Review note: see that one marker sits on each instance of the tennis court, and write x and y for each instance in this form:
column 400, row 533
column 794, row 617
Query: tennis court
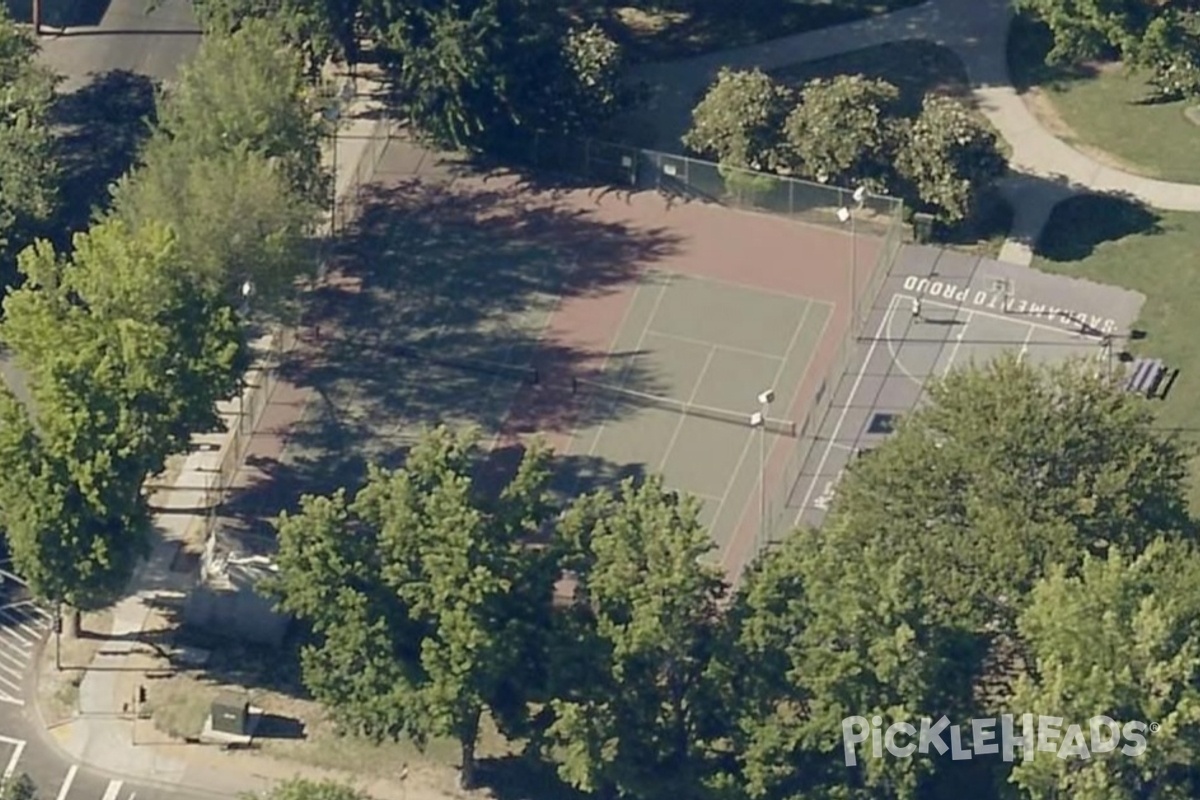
column 676, row 393
column 941, row 310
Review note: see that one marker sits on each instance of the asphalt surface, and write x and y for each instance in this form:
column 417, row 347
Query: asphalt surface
column 89, row 40
column 25, row 746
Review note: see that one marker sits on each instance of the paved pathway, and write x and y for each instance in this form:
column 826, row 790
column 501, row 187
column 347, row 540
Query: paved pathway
column 1046, row 169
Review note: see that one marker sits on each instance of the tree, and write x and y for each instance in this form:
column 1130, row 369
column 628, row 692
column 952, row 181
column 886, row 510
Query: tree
column 639, row 718
column 949, row 156
column 234, row 215
column 18, row 787
column 247, row 91
column 318, row 30
column 740, row 120
column 28, row 174
column 125, row 361
column 820, row 636
column 1119, row 639
column 425, row 597
column 304, row 789
column 485, row 73
column 1009, row 469
column 1157, row 35
column 842, row 131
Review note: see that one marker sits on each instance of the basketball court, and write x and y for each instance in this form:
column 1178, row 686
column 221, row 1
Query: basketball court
column 940, row 310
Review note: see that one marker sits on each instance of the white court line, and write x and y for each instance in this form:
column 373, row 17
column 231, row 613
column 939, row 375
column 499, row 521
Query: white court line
column 749, row 288
column 862, row 372
column 958, row 343
column 1025, row 344
column 897, row 362
column 712, row 351
column 1005, row 317
column 787, row 355
column 18, row 749
column 114, row 788
column 662, row 292
column 67, row 781
column 701, row 342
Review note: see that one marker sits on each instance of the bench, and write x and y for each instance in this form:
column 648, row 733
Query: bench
column 1145, row 376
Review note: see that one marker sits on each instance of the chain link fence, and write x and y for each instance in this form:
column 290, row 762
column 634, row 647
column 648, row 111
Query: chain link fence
column 261, row 380
column 878, row 217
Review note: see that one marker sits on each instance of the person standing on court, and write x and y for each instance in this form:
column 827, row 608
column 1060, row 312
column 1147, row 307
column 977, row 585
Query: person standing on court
column 916, row 309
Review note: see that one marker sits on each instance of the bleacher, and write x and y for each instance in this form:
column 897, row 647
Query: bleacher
column 1145, row 376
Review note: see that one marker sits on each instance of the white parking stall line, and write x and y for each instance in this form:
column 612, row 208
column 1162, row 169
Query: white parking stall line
column 19, row 621
column 67, row 781
column 7, row 656
column 114, row 788
column 18, row 746
column 4, row 668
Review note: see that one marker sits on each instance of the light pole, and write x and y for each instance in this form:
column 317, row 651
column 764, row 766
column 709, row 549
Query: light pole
column 247, row 293
column 58, row 637
column 759, row 420
column 844, row 215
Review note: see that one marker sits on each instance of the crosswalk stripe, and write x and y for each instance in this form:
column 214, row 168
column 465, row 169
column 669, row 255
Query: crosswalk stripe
column 7, row 698
column 16, row 673
column 67, row 781
column 114, row 788
column 18, row 748
column 6, row 682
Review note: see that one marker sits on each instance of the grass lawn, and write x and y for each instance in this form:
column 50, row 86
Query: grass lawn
column 710, row 25
column 1112, row 241
column 1103, row 110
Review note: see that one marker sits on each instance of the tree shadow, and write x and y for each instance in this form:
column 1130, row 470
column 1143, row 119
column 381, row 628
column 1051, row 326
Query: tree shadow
column 518, row 777
column 103, row 126
column 1029, row 43
column 1080, row 224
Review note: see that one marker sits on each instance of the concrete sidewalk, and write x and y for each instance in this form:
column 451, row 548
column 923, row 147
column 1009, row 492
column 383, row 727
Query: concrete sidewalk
column 102, row 735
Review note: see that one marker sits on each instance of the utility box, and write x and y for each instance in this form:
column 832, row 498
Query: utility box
column 230, row 713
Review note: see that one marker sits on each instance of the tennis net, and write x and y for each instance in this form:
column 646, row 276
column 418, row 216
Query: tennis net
column 482, row 366
column 619, row 394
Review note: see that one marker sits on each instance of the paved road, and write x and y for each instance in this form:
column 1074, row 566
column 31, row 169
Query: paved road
column 128, row 38
column 24, row 746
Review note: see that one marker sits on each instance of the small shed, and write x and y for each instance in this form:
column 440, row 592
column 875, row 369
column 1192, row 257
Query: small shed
column 230, row 713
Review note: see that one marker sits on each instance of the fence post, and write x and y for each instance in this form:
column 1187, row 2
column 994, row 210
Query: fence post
column 791, row 197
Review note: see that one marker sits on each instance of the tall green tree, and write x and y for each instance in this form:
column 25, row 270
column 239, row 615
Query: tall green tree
column 1009, row 469
column 125, row 359
column 247, row 90
column 1160, row 36
column 816, row 642
column 424, row 594
column 1120, row 639
column 949, row 157
column 842, row 131
column 28, row 174
column 304, row 789
column 640, row 719
column 739, row 123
